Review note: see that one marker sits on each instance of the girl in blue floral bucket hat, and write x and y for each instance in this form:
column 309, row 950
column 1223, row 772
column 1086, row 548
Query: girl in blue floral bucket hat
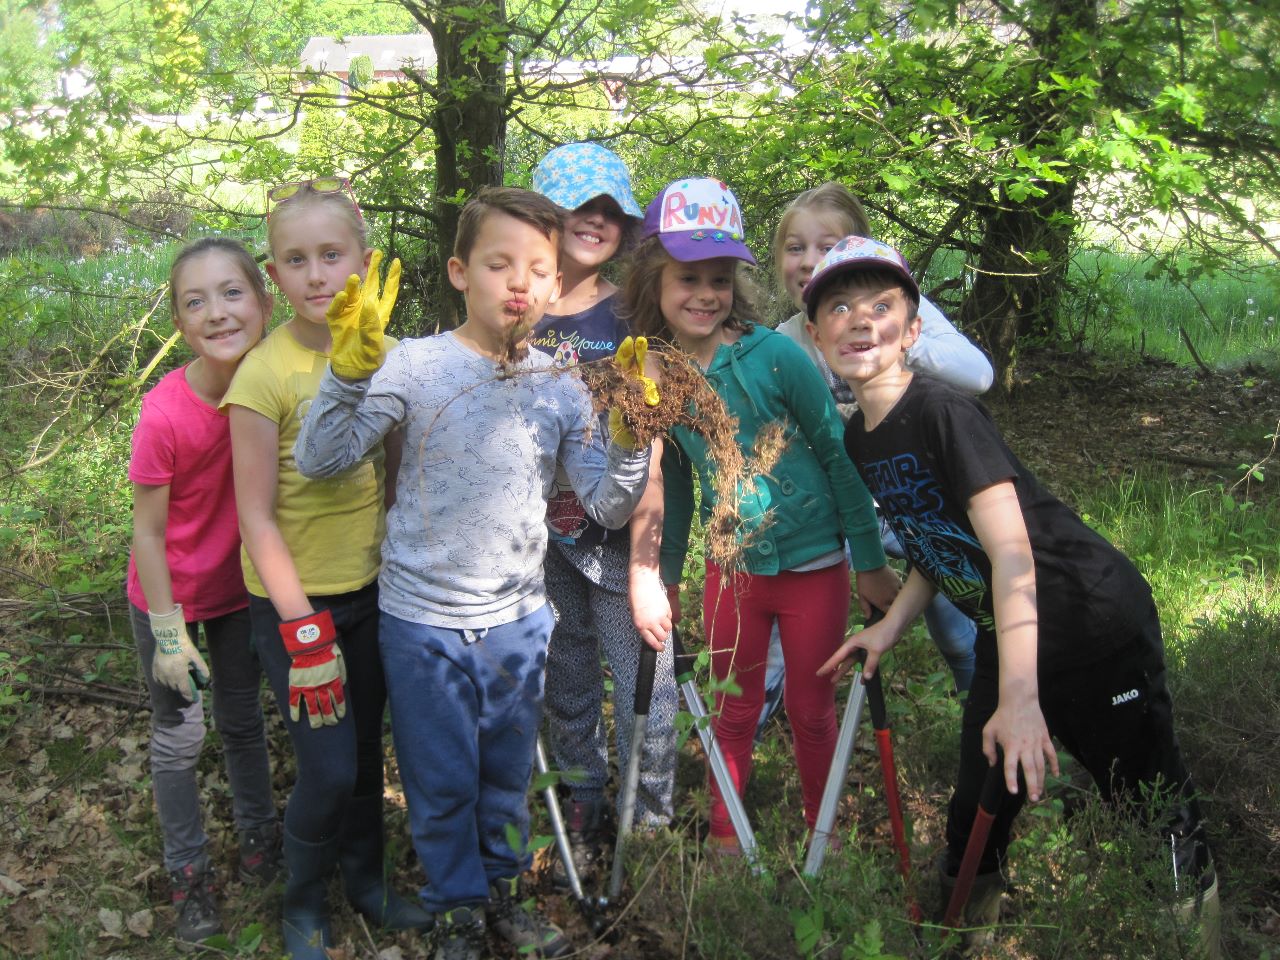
column 587, row 566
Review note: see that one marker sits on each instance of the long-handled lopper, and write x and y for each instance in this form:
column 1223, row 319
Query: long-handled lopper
column 719, row 768
column 988, row 806
column 884, row 744
column 590, row 908
column 631, row 780
column 834, row 788
column 840, row 760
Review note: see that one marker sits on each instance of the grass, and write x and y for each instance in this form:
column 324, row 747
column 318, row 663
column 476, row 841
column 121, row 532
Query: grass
column 1116, row 303
column 1088, row 882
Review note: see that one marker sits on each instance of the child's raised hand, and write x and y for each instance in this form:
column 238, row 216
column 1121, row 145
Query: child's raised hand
column 630, row 359
column 1018, row 728
column 357, row 317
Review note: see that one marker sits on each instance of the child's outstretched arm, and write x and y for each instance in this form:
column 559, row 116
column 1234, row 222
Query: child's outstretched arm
column 815, row 413
column 1018, row 725
column 650, row 608
column 882, row 636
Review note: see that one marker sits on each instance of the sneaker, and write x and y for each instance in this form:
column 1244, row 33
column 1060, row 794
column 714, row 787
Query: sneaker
column 584, row 822
column 520, row 923
column 260, row 858
column 194, row 904
column 459, row 934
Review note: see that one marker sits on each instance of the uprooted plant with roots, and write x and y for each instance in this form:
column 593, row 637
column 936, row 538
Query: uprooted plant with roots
column 687, row 399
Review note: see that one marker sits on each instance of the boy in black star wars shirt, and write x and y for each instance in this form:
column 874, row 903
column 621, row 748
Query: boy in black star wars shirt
column 1069, row 642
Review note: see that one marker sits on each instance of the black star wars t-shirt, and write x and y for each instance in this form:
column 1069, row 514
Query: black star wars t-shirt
column 937, row 448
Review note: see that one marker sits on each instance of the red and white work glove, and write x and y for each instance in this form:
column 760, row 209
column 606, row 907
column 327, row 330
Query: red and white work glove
column 318, row 672
column 177, row 663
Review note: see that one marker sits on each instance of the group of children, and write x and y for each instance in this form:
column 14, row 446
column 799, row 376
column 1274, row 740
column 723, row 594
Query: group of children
column 439, row 524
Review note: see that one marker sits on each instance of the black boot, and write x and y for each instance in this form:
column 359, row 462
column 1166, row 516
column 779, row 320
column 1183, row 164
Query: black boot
column 308, row 867
column 363, row 874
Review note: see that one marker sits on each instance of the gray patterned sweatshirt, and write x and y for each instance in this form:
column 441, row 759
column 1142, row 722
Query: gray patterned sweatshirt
column 467, row 535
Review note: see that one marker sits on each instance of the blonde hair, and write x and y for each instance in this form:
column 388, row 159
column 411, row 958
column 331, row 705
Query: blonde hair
column 233, row 249
column 338, row 202
column 640, row 302
column 829, row 198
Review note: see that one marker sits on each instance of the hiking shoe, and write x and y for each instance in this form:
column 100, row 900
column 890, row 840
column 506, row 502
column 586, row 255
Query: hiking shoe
column 194, row 903
column 260, row 859
column 459, row 934
column 584, row 822
column 520, row 923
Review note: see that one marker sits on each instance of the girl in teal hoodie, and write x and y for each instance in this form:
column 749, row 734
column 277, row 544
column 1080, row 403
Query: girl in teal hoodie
column 684, row 286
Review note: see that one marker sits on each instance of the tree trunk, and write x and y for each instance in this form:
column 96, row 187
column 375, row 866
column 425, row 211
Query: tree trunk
column 1023, row 254
column 1021, row 268
column 469, row 121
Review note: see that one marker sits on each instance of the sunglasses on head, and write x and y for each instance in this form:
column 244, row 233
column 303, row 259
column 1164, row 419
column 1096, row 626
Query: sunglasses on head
column 331, row 184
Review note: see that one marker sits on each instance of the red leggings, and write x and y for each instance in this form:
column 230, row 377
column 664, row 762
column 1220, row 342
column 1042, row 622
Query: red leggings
column 812, row 610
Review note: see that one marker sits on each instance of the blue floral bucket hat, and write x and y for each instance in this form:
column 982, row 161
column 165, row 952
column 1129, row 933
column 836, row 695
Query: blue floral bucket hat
column 577, row 173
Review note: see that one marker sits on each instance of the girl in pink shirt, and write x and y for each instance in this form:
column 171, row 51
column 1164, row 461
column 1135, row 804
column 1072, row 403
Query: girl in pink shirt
column 184, row 573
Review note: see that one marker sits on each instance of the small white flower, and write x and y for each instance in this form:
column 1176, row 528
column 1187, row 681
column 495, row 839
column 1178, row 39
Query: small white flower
column 1249, row 301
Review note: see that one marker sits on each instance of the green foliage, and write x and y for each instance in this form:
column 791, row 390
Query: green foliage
column 360, row 72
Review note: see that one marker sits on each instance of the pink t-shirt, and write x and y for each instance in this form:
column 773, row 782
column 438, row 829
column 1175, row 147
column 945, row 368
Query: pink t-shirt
column 183, row 442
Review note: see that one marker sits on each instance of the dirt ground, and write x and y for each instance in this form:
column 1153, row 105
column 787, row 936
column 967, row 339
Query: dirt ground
column 78, row 850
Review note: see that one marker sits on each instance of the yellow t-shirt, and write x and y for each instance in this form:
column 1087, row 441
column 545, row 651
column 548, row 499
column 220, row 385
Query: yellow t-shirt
column 333, row 528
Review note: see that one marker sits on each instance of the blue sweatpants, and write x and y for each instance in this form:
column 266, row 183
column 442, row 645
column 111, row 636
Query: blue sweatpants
column 465, row 709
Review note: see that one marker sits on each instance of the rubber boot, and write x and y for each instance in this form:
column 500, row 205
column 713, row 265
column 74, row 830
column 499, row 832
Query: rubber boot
column 1206, row 912
column 982, row 910
column 363, row 872
column 308, row 867
column 1196, row 880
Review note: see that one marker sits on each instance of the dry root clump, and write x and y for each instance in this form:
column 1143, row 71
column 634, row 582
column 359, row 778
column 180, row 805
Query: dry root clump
column 687, row 399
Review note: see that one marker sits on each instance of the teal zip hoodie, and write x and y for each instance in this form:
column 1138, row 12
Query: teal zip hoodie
column 810, row 502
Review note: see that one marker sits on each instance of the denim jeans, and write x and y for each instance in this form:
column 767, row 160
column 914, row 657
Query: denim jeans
column 177, row 735
column 465, row 709
column 340, row 761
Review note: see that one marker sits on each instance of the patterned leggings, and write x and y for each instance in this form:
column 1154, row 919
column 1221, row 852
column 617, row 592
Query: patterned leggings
column 589, row 618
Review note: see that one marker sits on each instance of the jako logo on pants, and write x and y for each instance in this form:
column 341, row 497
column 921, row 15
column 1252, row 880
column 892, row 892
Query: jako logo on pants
column 1125, row 697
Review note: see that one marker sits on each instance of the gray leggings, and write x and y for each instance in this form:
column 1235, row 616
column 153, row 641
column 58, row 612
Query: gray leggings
column 177, row 734
column 589, row 618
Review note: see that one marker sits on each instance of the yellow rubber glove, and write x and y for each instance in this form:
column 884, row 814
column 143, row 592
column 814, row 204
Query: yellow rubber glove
column 357, row 318
column 630, row 360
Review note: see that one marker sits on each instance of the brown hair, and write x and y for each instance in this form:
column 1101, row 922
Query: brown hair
column 519, row 204
column 830, row 197
column 233, row 249
column 642, row 292
column 340, row 203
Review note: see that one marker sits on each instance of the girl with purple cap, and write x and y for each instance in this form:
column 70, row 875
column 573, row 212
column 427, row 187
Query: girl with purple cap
column 587, row 565
column 687, row 284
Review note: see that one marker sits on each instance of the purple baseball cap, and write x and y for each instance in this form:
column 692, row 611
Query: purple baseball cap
column 697, row 218
column 856, row 253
